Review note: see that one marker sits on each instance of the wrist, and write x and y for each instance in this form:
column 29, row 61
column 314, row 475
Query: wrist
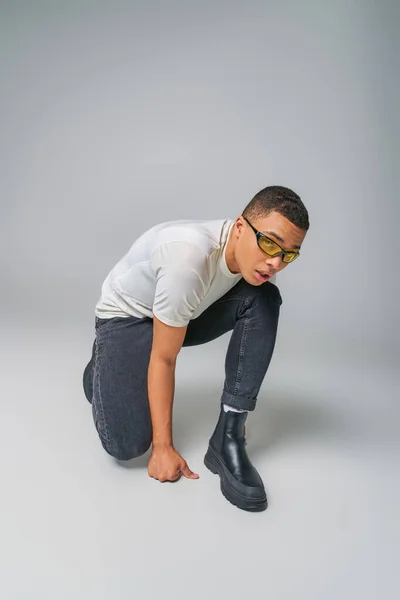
column 162, row 445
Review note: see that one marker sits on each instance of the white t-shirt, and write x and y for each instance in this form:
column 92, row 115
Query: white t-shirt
column 175, row 270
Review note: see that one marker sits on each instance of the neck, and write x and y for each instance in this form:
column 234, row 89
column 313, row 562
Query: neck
column 230, row 253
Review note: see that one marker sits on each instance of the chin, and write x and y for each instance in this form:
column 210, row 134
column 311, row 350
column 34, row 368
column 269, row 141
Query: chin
column 252, row 280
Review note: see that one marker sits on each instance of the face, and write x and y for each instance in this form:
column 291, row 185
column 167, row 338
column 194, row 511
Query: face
column 243, row 255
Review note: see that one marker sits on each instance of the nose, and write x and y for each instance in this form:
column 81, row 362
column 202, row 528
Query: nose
column 274, row 263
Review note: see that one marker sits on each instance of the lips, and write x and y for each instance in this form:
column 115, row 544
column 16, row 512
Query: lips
column 263, row 275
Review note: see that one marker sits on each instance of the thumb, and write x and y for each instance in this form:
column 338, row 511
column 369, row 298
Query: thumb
column 188, row 473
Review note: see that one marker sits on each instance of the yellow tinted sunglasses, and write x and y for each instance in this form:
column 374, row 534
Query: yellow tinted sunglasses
column 272, row 248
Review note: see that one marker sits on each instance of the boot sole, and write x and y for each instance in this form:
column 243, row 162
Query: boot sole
column 217, row 467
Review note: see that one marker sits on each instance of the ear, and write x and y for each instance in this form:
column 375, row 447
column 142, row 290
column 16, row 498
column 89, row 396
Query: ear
column 239, row 226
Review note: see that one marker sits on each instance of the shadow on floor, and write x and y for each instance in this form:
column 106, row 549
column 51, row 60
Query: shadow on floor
column 279, row 418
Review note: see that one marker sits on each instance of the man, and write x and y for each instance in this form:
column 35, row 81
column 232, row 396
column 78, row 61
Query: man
column 184, row 283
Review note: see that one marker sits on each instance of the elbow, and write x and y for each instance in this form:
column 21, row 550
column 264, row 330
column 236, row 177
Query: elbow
column 166, row 361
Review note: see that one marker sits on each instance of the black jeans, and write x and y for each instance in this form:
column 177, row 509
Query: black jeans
column 122, row 352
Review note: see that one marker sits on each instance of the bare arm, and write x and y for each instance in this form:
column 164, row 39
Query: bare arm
column 165, row 464
column 167, row 343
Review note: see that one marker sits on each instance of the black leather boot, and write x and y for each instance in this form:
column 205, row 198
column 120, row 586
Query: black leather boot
column 226, row 456
column 88, row 376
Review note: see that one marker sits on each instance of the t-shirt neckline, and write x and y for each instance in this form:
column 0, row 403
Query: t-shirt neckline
column 223, row 263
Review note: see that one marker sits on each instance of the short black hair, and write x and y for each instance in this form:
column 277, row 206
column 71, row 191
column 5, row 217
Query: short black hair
column 280, row 199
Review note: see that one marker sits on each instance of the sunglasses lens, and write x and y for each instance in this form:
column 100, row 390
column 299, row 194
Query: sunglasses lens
column 290, row 257
column 272, row 249
column 268, row 246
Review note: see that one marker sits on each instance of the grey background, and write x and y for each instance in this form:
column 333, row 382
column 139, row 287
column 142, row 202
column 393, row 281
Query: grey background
column 118, row 115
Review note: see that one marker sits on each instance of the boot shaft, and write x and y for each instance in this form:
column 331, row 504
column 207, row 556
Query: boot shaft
column 230, row 425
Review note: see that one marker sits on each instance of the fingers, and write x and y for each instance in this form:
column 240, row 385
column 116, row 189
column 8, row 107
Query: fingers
column 171, row 478
column 188, row 473
column 162, row 473
column 164, row 477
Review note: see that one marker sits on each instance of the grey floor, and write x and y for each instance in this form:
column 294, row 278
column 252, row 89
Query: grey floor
column 76, row 524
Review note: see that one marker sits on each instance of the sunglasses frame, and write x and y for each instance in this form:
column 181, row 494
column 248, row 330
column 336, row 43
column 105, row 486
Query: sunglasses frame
column 282, row 253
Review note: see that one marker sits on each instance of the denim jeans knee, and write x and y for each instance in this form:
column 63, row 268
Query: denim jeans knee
column 125, row 449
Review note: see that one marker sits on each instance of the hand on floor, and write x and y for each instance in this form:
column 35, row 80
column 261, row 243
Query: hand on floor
column 166, row 464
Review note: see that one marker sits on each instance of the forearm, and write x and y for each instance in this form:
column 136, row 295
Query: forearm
column 161, row 389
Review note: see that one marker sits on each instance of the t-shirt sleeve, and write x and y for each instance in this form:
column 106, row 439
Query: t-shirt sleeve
column 181, row 273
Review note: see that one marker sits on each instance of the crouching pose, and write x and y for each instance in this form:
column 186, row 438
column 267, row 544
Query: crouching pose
column 184, row 283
